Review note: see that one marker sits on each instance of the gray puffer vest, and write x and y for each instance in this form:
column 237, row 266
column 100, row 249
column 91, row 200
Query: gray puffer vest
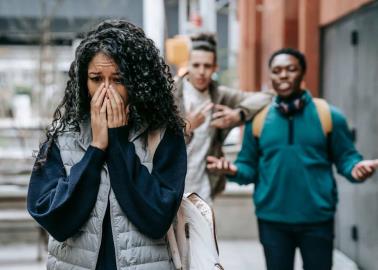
column 134, row 251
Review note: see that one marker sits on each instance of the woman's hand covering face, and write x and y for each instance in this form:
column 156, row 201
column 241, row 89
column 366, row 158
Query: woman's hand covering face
column 109, row 98
column 108, row 110
column 99, row 118
column 116, row 110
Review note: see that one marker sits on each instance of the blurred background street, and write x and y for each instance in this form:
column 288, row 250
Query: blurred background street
column 339, row 38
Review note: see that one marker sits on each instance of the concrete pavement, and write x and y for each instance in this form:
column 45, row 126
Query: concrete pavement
column 247, row 255
column 235, row 255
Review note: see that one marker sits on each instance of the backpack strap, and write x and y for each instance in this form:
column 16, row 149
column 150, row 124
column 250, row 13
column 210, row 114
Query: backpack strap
column 258, row 121
column 324, row 113
column 322, row 107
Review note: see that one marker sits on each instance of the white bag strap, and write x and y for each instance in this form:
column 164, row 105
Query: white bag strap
column 174, row 248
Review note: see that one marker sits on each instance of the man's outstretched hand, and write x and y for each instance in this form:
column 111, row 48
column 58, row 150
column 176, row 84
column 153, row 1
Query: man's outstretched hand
column 221, row 166
column 225, row 117
column 364, row 169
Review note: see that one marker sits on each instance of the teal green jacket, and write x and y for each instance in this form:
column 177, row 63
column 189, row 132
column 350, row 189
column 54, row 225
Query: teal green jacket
column 291, row 165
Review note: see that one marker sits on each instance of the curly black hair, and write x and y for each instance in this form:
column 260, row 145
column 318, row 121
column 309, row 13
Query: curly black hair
column 293, row 52
column 143, row 72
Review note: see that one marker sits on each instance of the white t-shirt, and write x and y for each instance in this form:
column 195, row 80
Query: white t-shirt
column 197, row 179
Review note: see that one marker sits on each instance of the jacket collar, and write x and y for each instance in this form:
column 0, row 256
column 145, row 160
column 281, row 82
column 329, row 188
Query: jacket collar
column 307, row 97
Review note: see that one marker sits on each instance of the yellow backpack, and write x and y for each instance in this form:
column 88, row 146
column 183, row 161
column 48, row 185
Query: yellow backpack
column 321, row 105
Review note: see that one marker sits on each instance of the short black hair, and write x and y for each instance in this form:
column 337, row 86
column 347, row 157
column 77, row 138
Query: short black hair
column 204, row 42
column 293, row 52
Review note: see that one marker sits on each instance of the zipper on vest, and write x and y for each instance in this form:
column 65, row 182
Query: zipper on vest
column 113, row 231
column 100, row 230
column 291, row 130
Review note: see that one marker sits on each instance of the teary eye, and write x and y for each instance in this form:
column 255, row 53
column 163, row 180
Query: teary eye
column 118, row 80
column 95, row 78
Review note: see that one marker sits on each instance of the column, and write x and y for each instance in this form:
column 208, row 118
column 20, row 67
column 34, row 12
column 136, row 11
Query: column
column 154, row 21
column 309, row 34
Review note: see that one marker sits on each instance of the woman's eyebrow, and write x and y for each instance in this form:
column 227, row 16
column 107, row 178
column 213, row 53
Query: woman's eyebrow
column 98, row 73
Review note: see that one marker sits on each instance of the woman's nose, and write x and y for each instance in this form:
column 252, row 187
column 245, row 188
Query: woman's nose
column 107, row 83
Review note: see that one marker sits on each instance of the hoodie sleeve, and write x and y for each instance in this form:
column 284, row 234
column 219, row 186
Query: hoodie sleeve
column 149, row 200
column 343, row 152
column 247, row 159
column 62, row 203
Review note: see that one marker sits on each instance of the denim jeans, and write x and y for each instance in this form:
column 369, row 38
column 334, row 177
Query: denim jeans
column 315, row 242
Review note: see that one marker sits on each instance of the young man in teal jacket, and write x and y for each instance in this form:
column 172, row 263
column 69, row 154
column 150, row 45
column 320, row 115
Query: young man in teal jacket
column 290, row 162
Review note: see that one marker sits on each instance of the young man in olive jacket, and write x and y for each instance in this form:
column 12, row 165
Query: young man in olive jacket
column 211, row 111
column 288, row 154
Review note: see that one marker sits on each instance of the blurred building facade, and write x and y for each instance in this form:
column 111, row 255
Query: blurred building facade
column 37, row 41
column 340, row 40
column 46, row 34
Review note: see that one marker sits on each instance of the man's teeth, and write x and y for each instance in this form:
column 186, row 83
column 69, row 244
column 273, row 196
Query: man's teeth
column 284, row 85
